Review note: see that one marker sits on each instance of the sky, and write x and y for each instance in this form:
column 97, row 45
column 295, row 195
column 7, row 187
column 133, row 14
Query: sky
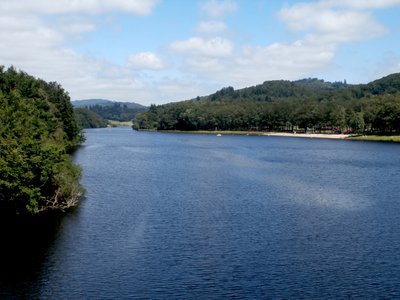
column 160, row 51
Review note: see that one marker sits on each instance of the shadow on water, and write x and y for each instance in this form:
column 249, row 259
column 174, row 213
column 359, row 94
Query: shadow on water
column 25, row 245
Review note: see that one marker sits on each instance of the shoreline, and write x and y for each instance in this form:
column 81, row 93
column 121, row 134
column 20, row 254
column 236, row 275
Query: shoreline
column 332, row 136
column 260, row 133
column 310, row 135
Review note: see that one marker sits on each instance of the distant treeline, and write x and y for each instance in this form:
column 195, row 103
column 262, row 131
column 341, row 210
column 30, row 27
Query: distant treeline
column 37, row 132
column 308, row 104
column 97, row 115
column 117, row 111
column 89, row 119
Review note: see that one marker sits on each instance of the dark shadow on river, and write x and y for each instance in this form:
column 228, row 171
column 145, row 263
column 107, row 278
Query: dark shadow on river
column 26, row 245
column 170, row 216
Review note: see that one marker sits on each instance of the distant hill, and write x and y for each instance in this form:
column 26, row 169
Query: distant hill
column 110, row 110
column 89, row 119
column 309, row 104
column 388, row 84
column 105, row 102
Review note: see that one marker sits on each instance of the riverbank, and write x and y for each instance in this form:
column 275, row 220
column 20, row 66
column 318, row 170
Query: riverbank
column 114, row 123
column 377, row 138
column 261, row 133
column 309, row 135
column 373, row 138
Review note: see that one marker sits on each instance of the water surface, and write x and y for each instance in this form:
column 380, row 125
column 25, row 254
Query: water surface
column 178, row 216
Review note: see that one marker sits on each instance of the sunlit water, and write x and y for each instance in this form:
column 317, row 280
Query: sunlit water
column 182, row 216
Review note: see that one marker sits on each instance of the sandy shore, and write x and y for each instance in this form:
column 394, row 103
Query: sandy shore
column 260, row 133
column 308, row 135
column 373, row 138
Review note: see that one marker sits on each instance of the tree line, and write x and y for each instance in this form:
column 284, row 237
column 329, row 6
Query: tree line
column 304, row 105
column 87, row 118
column 98, row 115
column 38, row 131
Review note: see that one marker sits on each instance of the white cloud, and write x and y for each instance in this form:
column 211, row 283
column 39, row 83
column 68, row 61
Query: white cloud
column 77, row 28
column 323, row 26
column 363, row 4
column 219, row 8
column 205, row 65
column 140, row 7
column 145, row 60
column 182, row 89
column 281, row 61
column 31, row 34
column 36, row 45
column 214, row 47
column 211, row 27
column 255, row 64
column 330, row 24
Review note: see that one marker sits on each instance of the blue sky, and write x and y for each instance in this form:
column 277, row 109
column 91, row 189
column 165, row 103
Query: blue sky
column 158, row 51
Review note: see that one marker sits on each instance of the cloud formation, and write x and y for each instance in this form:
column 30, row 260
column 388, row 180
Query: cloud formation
column 36, row 37
column 362, row 4
column 214, row 47
column 145, row 61
column 331, row 24
column 140, row 7
column 211, row 27
column 323, row 27
column 219, row 9
column 36, row 46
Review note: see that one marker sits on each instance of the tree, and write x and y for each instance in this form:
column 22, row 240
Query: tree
column 356, row 121
column 284, row 105
column 37, row 130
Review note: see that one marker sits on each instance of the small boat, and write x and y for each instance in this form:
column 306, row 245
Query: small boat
column 219, row 134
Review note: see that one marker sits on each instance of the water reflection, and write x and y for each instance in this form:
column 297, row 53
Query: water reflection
column 191, row 216
column 26, row 245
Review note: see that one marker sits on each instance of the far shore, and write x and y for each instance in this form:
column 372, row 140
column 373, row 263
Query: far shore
column 113, row 123
column 261, row 133
column 372, row 138
column 310, row 135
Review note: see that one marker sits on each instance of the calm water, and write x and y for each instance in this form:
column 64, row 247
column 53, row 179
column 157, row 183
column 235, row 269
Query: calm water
column 176, row 216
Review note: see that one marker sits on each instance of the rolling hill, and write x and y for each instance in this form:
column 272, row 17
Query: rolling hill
column 282, row 105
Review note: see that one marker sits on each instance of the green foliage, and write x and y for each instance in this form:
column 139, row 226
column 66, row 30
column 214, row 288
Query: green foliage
column 37, row 130
column 117, row 111
column 309, row 104
column 89, row 119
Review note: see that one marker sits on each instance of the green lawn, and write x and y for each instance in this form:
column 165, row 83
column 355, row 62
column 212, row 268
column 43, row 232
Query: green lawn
column 377, row 138
column 113, row 123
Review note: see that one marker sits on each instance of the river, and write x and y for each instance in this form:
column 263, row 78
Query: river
column 185, row 216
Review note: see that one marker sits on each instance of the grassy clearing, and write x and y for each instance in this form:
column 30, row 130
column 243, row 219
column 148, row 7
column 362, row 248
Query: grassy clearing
column 113, row 123
column 377, row 138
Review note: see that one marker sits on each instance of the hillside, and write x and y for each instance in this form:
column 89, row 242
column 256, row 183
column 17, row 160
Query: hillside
column 89, row 119
column 303, row 105
column 91, row 102
column 105, row 102
column 111, row 110
column 38, row 131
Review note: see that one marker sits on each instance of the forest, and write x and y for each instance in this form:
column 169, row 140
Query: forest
column 38, row 132
column 118, row 111
column 87, row 118
column 96, row 113
column 307, row 105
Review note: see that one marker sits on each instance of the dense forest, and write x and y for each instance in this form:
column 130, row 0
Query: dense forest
column 38, row 131
column 111, row 110
column 89, row 119
column 304, row 105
